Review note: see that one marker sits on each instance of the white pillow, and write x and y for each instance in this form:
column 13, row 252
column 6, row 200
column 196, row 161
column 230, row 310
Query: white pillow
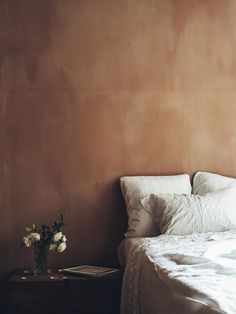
column 140, row 222
column 204, row 182
column 187, row 214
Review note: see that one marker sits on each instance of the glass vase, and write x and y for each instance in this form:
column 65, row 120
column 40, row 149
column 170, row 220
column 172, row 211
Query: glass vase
column 41, row 258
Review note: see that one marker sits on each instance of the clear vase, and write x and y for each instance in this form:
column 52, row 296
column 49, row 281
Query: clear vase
column 41, row 258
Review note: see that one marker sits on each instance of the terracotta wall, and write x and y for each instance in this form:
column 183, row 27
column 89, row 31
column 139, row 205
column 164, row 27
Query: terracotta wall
column 93, row 90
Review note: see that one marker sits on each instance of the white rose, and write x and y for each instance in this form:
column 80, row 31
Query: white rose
column 61, row 247
column 57, row 236
column 52, row 247
column 27, row 241
column 34, row 236
column 63, row 239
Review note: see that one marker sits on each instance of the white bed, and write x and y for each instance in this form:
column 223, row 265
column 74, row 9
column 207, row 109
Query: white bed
column 191, row 267
column 172, row 274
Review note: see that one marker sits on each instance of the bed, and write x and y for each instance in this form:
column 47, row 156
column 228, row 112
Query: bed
column 182, row 273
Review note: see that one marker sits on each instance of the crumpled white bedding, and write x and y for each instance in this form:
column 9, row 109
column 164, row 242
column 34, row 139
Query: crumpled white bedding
column 124, row 248
column 181, row 275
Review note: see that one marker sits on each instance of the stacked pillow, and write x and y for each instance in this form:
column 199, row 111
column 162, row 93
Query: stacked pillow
column 141, row 223
column 205, row 182
column 166, row 205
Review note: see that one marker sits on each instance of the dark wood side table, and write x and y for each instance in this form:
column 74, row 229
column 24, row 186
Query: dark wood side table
column 61, row 293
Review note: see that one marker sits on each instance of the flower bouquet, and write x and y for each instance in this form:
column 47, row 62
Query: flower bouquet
column 43, row 240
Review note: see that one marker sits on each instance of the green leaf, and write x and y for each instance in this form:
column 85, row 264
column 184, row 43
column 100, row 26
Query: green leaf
column 44, row 227
column 28, row 229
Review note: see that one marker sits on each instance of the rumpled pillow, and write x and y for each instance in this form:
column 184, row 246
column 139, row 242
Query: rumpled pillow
column 204, row 182
column 140, row 223
column 187, row 214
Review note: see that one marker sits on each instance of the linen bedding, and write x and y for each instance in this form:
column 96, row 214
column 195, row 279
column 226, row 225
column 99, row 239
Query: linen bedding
column 173, row 274
column 124, row 248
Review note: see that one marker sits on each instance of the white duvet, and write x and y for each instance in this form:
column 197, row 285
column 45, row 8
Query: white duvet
column 181, row 275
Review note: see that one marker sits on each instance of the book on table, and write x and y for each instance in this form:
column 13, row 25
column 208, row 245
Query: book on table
column 90, row 271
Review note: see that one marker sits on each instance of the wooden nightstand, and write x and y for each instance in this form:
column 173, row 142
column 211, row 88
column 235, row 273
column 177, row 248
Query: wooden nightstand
column 59, row 294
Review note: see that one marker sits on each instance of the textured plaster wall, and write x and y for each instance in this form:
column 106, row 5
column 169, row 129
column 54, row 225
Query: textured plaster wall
column 93, row 90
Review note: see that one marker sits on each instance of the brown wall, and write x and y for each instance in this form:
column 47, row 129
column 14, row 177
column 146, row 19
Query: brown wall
column 93, row 90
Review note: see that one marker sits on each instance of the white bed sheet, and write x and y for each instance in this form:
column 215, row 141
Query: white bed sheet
column 181, row 275
column 124, row 248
